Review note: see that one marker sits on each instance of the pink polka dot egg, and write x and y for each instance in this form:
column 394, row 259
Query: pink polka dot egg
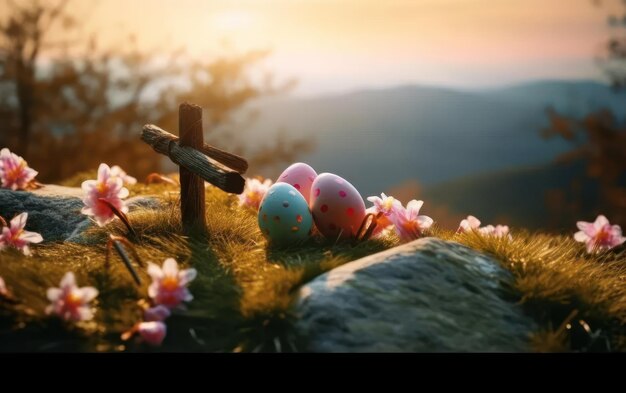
column 284, row 217
column 301, row 177
column 337, row 207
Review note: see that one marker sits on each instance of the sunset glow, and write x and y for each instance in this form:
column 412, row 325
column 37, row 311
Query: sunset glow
column 339, row 45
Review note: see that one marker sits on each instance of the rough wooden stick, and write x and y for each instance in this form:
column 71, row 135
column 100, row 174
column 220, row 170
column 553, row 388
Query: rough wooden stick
column 233, row 161
column 191, row 186
column 229, row 160
column 162, row 142
column 129, row 266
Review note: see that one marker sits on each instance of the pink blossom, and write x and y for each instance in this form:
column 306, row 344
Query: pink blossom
column 408, row 223
column 599, row 235
column 157, row 313
column 472, row 223
column 14, row 171
column 15, row 236
column 388, row 206
column 71, row 302
column 117, row 171
column 3, row 288
column 169, row 285
column 469, row 224
column 254, row 192
column 497, row 231
column 107, row 187
column 152, row 332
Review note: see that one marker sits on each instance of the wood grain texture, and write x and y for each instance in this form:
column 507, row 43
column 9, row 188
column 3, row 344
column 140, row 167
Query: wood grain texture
column 192, row 196
column 229, row 160
column 165, row 143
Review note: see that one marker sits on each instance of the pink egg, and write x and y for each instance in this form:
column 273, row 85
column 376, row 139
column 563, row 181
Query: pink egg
column 301, row 177
column 337, row 207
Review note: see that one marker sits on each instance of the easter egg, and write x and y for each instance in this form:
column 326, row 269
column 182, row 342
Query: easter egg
column 337, row 207
column 301, row 176
column 284, row 215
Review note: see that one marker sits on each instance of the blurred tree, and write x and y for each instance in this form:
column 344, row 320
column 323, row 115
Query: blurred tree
column 599, row 139
column 68, row 105
column 614, row 57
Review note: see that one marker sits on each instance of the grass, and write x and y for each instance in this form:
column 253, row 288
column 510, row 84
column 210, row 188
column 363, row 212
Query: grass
column 244, row 289
column 579, row 300
column 242, row 292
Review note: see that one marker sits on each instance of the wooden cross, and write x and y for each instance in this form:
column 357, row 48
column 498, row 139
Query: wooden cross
column 198, row 162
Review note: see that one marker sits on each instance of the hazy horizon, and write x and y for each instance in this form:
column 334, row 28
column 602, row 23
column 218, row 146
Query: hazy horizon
column 332, row 46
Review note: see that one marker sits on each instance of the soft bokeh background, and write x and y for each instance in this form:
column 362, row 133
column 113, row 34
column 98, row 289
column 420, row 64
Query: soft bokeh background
column 508, row 110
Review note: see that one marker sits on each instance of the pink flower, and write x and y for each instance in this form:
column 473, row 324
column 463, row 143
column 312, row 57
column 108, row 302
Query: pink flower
column 408, row 223
column 169, row 285
column 254, row 192
column 14, row 171
column 107, row 187
column 472, row 223
column 500, row 231
column 497, row 231
column 71, row 302
column 152, row 332
column 15, row 236
column 469, row 224
column 117, row 171
column 157, row 313
column 387, row 205
column 599, row 235
column 3, row 288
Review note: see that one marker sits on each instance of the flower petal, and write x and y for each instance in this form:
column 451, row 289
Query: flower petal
column 19, row 222
column 170, row 267
column 103, row 173
column 85, row 313
column 153, row 333
column 123, row 193
column 600, row 222
column 68, row 280
column 157, row 313
column 155, row 271
column 88, row 293
column 31, row 237
column 473, row 222
column 424, row 222
column 374, row 199
column 186, row 276
column 414, row 206
column 26, row 250
column 88, row 185
column 53, row 294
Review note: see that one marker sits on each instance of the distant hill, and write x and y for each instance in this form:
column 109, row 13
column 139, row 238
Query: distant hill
column 515, row 197
column 379, row 139
column 571, row 97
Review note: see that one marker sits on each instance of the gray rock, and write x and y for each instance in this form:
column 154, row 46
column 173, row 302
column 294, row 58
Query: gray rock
column 425, row 296
column 54, row 211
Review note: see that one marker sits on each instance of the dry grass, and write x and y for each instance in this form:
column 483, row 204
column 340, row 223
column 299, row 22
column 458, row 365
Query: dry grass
column 244, row 289
column 578, row 299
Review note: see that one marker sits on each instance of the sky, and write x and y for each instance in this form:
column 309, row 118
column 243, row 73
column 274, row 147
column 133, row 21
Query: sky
column 342, row 45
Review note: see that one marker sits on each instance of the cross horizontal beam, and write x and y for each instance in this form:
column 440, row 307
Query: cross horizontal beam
column 195, row 161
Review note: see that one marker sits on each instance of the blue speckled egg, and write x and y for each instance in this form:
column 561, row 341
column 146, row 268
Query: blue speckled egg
column 284, row 215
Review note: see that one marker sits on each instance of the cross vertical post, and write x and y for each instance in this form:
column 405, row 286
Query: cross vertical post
column 192, row 197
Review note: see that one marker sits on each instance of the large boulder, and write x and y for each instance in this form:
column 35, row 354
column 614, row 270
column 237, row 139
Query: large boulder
column 54, row 211
column 425, row 296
